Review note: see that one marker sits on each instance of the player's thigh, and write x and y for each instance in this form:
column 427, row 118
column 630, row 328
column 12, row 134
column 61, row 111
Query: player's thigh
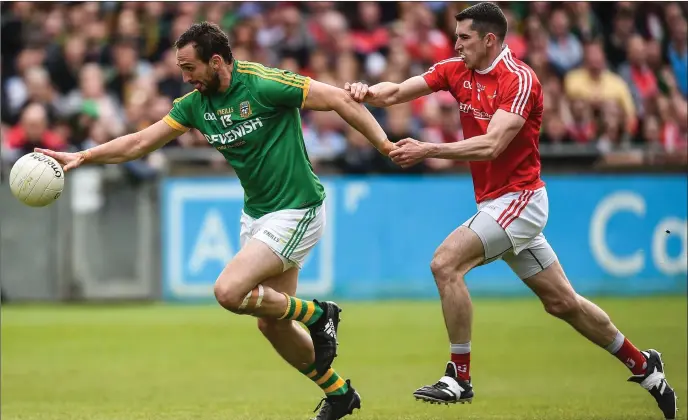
column 292, row 234
column 459, row 252
column 539, row 268
column 494, row 241
column 285, row 282
column 251, row 266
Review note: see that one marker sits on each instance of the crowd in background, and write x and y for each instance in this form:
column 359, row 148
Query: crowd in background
column 76, row 74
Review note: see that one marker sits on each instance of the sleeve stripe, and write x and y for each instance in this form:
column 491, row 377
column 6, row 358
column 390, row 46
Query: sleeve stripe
column 174, row 124
column 449, row 60
column 306, row 89
column 182, row 98
column 524, row 86
column 263, row 69
column 271, row 72
column 264, row 76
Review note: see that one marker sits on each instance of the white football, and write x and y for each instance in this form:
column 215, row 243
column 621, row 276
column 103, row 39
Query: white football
column 36, row 179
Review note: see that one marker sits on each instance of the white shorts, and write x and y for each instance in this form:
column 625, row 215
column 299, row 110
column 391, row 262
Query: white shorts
column 291, row 234
column 515, row 224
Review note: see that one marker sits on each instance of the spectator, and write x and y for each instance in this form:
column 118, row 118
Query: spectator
column 638, row 75
column 32, row 131
column 675, row 130
column 324, row 141
column 597, row 85
column 678, row 52
column 424, row 42
column 126, row 67
column 554, row 131
column 17, row 92
column 41, row 91
column 586, row 25
column 615, row 46
column 514, row 38
column 447, row 130
column 563, row 49
column 64, row 64
column 370, row 36
column 582, row 128
column 613, row 136
column 294, row 40
column 92, row 93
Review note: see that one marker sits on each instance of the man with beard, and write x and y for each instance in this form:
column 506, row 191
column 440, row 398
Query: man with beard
column 249, row 113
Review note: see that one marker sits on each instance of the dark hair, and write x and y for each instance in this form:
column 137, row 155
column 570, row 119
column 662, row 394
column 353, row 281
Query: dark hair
column 487, row 17
column 207, row 39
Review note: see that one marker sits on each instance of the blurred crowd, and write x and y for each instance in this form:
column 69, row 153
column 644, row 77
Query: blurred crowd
column 76, row 74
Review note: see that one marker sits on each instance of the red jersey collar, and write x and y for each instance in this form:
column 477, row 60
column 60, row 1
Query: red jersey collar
column 496, row 61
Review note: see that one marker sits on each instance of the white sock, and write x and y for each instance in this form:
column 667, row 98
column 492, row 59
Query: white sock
column 615, row 346
column 461, row 348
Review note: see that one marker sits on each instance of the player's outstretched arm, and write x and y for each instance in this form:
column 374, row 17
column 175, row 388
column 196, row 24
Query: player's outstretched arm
column 502, row 129
column 122, row 149
column 323, row 97
column 385, row 94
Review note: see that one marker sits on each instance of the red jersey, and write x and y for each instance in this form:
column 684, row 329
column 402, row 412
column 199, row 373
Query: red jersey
column 508, row 84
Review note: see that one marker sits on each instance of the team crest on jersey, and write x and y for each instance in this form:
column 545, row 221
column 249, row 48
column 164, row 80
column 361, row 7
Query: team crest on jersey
column 245, row 109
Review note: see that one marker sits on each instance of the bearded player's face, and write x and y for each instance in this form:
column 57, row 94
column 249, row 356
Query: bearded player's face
column 197, row 73
column 469, row 44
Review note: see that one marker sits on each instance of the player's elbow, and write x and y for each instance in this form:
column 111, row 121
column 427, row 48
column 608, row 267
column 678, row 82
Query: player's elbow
column 495, row 144
column 339, row 101
column 492, row 151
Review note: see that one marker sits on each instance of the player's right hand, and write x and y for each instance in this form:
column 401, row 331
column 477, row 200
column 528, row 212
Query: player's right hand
column 357, row 90
column 67, row 160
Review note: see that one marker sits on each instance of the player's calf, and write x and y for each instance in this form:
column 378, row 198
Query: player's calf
column 322, row 320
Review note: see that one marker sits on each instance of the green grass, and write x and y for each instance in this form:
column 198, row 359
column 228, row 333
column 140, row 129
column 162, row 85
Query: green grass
column 185, row 363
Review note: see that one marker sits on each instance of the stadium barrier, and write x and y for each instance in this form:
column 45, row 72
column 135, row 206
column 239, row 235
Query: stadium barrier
column 99, row 241
column 614, row 234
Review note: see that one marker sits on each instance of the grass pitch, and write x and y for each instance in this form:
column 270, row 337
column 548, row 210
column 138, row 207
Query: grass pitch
column 158, row 362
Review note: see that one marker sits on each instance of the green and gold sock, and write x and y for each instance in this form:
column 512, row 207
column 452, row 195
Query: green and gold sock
column 331, row 383
column 305, row 311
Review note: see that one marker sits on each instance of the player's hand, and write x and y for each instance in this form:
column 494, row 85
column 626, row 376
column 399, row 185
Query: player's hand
column 358, row 91
column 67, row 160
column 409, row 152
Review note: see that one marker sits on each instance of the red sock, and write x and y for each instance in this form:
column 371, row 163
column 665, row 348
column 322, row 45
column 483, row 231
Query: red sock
column 630, row 356
column 463, row 365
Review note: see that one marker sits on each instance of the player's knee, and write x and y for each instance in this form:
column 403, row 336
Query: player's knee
column 448, row 266
column 228, row 297
column 441, row 266
column 564, row 306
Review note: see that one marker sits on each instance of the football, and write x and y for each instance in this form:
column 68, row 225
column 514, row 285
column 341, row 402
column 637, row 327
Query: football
column 37, row 180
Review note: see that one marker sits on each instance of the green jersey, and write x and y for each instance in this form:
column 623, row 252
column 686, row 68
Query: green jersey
column 256, row 126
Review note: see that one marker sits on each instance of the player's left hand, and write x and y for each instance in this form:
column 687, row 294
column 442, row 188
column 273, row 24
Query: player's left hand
column 409, row 152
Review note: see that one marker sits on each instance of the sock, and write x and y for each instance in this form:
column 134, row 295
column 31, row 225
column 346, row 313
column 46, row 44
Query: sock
column 305, row 311
column 461, row 356
column 331, row 383
column 628, row 354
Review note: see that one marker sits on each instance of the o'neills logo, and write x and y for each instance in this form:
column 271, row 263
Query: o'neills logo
column 50, row 161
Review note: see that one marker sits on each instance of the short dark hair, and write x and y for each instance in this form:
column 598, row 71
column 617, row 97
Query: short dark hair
column 207, row 39
column 487, row 17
